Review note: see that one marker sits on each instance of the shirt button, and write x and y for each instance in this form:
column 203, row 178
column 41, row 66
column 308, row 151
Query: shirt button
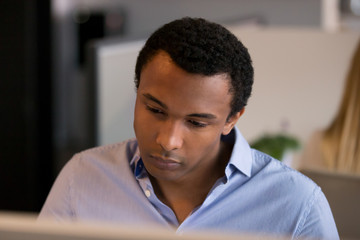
column 147, row 193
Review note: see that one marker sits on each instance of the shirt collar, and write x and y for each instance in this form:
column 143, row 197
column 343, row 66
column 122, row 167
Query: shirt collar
column 137, row 164
column 241, row 158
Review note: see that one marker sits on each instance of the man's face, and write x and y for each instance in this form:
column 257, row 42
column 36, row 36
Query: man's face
column 179, row 118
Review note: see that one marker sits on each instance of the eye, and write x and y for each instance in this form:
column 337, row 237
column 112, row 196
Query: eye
column 154, row 110
column 197, row 124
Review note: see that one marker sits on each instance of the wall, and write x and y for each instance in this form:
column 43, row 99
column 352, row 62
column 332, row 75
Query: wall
column 299, row 77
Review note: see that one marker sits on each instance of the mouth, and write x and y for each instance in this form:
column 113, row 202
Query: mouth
column 164, row 163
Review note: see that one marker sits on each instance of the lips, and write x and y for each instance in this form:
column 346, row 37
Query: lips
column 164, row 163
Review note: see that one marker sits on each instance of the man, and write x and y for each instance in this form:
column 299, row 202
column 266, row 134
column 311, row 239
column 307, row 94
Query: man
column 189, row 167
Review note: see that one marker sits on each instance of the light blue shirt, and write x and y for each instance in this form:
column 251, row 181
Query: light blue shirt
column 257, row 194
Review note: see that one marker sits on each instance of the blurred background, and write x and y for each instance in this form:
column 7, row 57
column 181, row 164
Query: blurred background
column 48, row 77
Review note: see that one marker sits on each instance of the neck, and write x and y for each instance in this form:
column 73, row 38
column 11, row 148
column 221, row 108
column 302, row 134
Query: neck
column 185, row 195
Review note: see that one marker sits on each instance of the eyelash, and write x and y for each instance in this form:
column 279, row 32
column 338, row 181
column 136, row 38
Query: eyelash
column 193, row 123
column 154, row 110
column 197, row 124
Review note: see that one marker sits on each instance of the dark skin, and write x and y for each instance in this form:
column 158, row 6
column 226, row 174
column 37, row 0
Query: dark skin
column 179, row 119
column 182, row 199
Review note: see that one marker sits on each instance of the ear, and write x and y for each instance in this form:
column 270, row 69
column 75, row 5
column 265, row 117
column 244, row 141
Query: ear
column 230, row 123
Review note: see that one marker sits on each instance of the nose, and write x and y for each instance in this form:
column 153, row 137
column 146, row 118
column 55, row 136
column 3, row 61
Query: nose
column 170, row 136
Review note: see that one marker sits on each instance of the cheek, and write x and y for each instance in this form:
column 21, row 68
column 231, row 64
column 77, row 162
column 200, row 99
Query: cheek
column 142, row 124
column 138, row 121
column 204, row 145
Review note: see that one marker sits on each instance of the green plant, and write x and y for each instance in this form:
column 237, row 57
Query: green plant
column 275, row 144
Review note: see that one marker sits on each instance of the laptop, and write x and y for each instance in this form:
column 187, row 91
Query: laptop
column 17, row 226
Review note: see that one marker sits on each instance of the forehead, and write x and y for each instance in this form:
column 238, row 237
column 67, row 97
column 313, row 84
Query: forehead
column 162, row 78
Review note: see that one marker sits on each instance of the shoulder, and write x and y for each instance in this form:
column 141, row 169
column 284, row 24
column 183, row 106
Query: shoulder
column 283, row 179
column 295, row 196
column 126, row 148
column 112, row 153
column 108, row 159
column 99, row 168
column 90, row 175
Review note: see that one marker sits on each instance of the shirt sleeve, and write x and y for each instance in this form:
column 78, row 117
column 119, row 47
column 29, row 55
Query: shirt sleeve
column 318, row 221
column 58, row 205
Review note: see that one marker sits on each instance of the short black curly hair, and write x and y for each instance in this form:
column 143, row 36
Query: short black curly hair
column 202, row 47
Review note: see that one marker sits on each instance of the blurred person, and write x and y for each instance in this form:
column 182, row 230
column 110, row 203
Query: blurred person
column 189, row 168
column 337, row 148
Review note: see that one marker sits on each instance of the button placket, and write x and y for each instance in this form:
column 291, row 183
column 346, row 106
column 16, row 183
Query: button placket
column 147, row 193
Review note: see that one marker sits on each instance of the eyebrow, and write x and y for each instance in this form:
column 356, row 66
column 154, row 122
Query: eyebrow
column 163, row 105
column 203, row 115
column 154, row 99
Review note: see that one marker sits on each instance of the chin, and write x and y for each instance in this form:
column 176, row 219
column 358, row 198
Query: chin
column 163, row 175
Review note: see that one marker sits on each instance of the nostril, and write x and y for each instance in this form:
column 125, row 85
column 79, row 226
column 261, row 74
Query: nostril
column 169, row 143
column 169, row 139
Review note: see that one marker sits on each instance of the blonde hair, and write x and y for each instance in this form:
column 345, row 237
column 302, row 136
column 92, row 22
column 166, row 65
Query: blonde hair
column 341, row 141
